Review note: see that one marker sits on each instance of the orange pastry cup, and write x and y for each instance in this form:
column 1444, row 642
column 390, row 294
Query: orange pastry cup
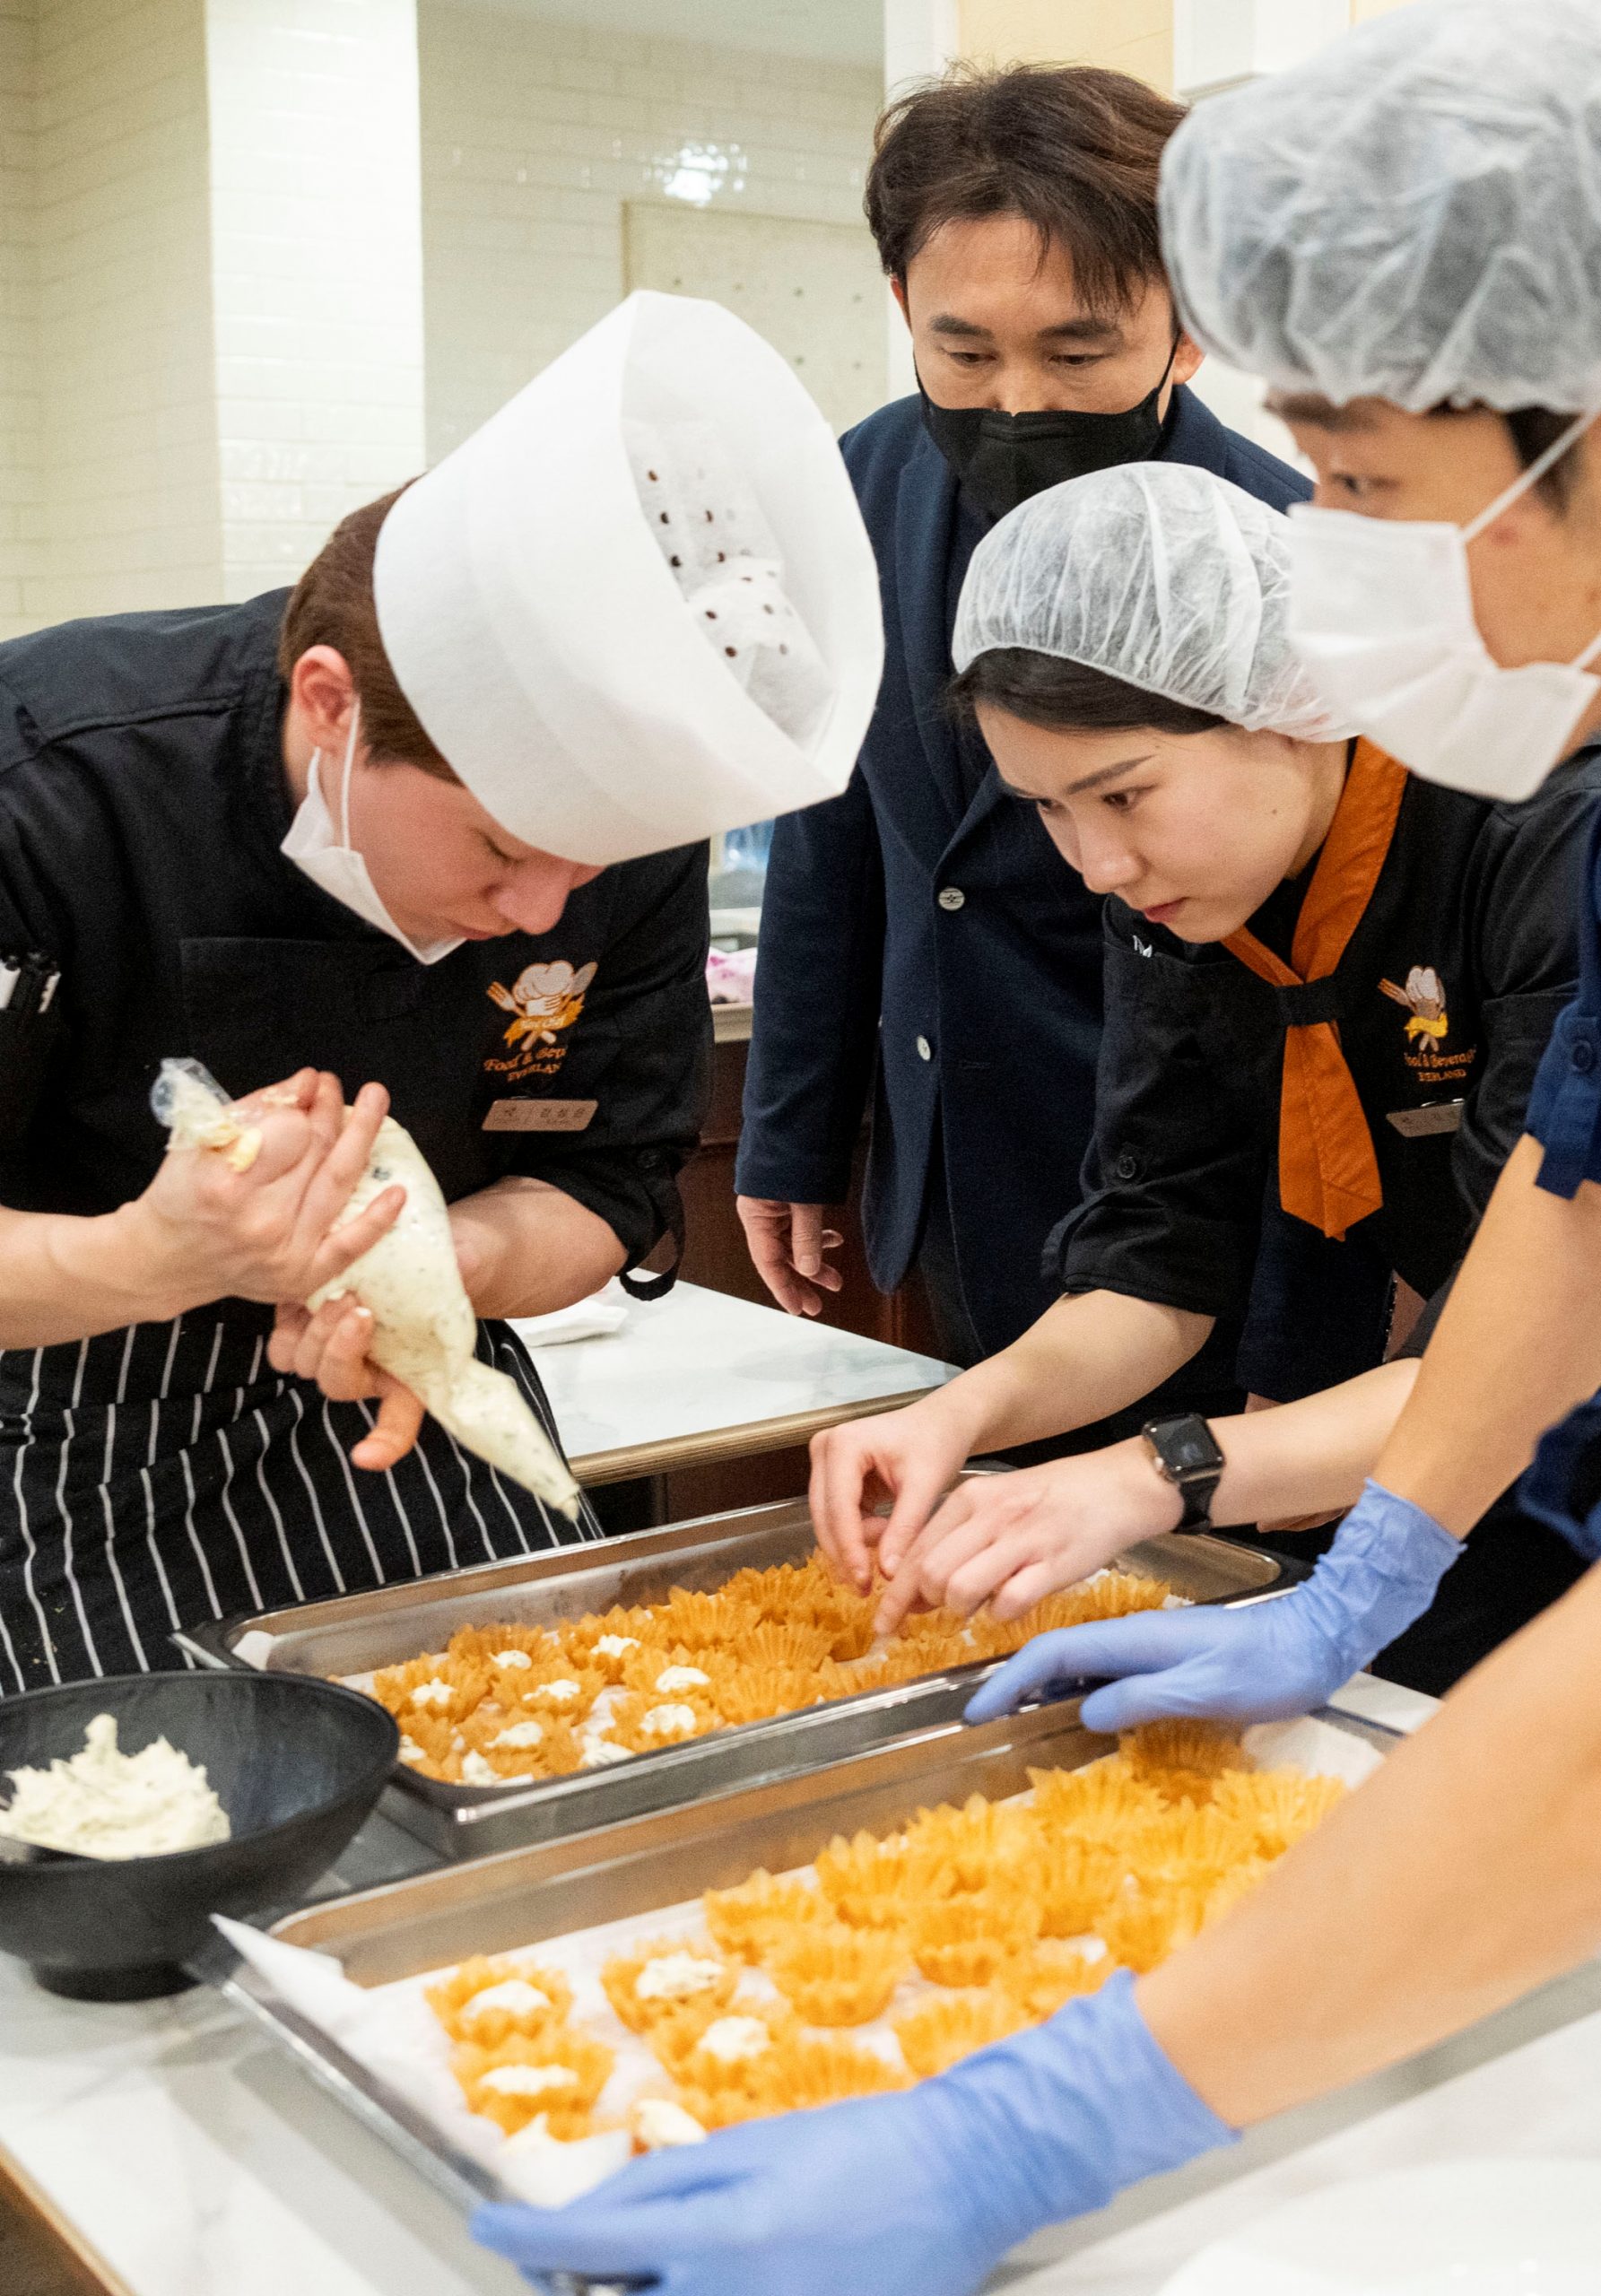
column 561, row 2076
column 555, row 1755
column 711, row 1984
column 645, row 1721
column 544, row 1690
column 395, row 1687
column 1120, row 1593
column 937, row 2033
column 968, row 1941
column 481, row 1646
column 1049, row 1975
column 867, row 1880
column 1205, row 1747
column 1278, row 1805
column 1188, row 1843
column 680, row 2045
column 1101, row 1801
column 832, row 1975
column 721, row 2107
column 755, row 1693
column 1075, row 1880
column 703, row 1622
column 955, row 1851
column 1142, row 1928
column 747, row 1921
column 452, row 2000
column 818, row 2069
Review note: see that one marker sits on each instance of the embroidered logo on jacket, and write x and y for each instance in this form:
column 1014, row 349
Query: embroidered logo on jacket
column 543, row 1001
column 1424, row 999
column 1428, row 1024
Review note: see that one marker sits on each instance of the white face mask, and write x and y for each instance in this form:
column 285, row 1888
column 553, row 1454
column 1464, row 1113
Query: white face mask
column 332, row 862
column 1381, row 614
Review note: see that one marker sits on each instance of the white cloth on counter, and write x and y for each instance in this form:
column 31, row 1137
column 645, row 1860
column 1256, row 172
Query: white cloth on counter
column 562, row 664
column 602, row 1315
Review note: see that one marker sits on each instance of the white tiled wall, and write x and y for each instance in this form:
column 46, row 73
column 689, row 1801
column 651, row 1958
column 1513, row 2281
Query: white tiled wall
column 317, row 264
column 129, row 425
column 535, row 134
column 20, row 475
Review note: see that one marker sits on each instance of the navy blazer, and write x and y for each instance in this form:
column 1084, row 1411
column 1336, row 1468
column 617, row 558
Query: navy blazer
column 912, row 926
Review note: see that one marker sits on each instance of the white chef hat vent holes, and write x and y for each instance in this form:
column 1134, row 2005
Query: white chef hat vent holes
column 724, row 557
column 565, row 667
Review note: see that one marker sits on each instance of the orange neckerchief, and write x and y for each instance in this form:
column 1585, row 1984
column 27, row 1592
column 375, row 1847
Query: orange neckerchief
column 1328, row 1174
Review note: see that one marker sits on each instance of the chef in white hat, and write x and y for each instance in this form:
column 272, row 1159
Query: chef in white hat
column 431, row 825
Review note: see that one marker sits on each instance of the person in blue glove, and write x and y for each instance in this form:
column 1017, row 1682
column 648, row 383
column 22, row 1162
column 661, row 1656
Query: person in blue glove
column 1273, row 1049
column 1411, row 221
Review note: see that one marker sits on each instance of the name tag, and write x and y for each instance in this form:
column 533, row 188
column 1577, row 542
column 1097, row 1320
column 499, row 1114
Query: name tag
column 539, row 1116
column 1420, row 1124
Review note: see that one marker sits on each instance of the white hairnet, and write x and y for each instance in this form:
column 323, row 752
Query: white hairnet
column 1159, row 574
column 1413, row 215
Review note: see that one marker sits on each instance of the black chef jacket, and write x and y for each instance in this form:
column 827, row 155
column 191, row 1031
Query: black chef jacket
column 1482, row 896
column 156, row 1476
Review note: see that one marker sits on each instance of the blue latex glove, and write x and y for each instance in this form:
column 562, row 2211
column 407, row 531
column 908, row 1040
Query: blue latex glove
column 913, row 2194
column 1256, row 1664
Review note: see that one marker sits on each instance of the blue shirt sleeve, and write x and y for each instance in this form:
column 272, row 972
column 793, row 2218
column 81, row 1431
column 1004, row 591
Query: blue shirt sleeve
column 1565, row 1109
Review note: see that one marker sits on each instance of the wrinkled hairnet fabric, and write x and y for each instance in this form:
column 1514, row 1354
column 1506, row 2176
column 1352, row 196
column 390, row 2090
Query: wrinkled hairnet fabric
column 1159, row 574
column 1414, row 214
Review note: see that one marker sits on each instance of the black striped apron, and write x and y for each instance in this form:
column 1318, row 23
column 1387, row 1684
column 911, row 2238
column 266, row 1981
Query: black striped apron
column 156, row 1477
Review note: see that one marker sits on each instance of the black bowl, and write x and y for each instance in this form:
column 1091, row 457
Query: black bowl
column 297, row 1764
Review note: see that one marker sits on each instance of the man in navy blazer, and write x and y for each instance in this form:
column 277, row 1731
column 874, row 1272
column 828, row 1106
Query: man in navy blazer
column 920, row 935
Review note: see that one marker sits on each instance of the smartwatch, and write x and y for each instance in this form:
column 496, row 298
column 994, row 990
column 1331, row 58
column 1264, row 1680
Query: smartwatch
column 1184, row 1453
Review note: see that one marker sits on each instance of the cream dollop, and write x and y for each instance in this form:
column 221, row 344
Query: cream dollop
column 669, row 1722
column 519, row 1659
column 514, row 1994
column 101, row 1803
column 521, row 1736
column 601, row 1753
column 676, row 1977
column 435, row 1694
column 659, row 2122
column 529, row 2080
column 672, row 1678
column 612, row 1646
column 732, row 2040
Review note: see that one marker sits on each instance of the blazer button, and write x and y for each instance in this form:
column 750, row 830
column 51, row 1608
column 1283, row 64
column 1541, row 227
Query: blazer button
column 952, row 896
column 925, row 1050
column 1128, row 1166
column 1583, row 1055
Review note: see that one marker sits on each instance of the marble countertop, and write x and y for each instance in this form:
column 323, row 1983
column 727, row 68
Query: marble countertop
column 186, row 2156
column 699, row 1375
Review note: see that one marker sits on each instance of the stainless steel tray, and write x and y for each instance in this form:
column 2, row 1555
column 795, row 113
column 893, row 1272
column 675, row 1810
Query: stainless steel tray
column 525, row 1896
column 355, row 1633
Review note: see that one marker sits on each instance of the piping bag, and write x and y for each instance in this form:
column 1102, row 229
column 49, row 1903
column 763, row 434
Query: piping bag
column 424, row 1329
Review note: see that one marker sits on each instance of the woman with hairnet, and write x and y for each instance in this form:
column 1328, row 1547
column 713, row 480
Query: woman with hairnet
column 1409, row 223
column 1322, row 977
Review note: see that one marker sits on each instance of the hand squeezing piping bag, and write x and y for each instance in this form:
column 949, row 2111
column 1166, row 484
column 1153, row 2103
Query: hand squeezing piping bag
column 424, row 1330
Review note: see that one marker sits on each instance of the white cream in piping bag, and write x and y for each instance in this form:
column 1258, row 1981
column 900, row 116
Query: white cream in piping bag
column 101, row 1803
column 424, row 1330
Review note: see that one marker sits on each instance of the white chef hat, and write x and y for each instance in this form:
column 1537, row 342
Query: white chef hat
column 1414, row 214
column 1160, row 574
column 640, row 604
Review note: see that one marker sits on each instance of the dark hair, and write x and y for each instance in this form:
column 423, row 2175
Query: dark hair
column 1533, row 429
column 1072, row 149
column 1069, row 697
column 332, row 605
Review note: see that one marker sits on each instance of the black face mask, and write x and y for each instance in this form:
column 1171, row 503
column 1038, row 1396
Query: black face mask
column 1002, row 459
